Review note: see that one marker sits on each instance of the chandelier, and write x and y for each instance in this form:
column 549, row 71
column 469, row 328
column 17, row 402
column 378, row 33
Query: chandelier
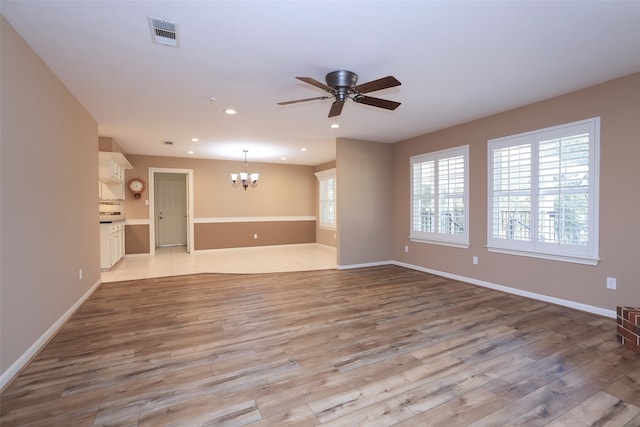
column 246, row 179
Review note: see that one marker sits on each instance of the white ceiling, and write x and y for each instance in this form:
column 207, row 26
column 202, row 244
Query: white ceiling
column 457, row 61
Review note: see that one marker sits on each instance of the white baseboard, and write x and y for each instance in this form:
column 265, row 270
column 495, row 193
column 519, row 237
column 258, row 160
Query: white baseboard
column 324, row 245
column 146, row 254
column 540, row 297
column 563, row 302
column 18, row 365
column 368, row 264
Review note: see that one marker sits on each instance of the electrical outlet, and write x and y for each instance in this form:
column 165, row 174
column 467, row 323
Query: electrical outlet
column 475, row 260
column 406, row 248
column 611, row 283
column 255, row 235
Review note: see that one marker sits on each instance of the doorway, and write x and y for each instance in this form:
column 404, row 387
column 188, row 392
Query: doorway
column 170, row 208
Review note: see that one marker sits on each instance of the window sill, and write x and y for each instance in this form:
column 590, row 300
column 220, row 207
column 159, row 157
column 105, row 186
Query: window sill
column 553, row 257
column 440, row 242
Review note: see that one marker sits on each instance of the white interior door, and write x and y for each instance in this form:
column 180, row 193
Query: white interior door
column 171, row 211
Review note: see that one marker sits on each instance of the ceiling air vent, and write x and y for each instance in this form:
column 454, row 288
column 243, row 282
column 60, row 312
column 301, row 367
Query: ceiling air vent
column 163, row 31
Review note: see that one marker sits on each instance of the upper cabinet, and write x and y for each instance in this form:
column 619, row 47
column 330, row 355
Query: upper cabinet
column 112, row 166
column 111, row 174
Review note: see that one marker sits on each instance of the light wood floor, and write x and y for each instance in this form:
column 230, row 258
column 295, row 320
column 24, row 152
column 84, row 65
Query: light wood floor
column 375, row 346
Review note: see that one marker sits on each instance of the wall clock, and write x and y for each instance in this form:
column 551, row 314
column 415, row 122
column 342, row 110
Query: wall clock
column 136, row 186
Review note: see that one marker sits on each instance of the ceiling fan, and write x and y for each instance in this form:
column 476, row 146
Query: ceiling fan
column 341, row 84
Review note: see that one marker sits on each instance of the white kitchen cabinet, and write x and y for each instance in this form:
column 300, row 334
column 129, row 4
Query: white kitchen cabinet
column 111, row 191
column 111, row 175
column 111, row 243
column 112, row 166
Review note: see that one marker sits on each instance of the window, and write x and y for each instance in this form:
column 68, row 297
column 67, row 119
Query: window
column 543, row 193
column 439, row 197
column 327, row 199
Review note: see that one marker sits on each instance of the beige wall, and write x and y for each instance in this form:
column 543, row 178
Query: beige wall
column 283, row 191
column 618, row 104
column 364, row 178
column 108, row 144
column 324, row 236
column 48, row 182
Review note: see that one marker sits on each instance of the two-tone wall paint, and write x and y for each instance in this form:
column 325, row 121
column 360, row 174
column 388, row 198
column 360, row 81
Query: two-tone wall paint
column 281, row 210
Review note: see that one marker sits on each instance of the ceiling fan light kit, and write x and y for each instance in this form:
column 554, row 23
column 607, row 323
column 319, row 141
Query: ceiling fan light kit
column 342, row 84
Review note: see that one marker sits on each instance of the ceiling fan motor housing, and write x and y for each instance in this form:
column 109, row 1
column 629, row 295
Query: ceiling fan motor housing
column 342, row 78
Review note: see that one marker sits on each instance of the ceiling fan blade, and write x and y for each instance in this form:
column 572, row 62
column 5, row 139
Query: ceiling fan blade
column 316, row 83
column 379, row 84
column 303, row 100
column 336, row 108
column 377, row 102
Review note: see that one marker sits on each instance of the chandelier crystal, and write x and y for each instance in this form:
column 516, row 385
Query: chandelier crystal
column 246, row 179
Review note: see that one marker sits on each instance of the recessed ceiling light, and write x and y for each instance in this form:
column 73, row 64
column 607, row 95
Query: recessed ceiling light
column 334, row 126
column 230, row 111
column 283, row 158
column 190, row 152
column 303, row 149
column 194, row 140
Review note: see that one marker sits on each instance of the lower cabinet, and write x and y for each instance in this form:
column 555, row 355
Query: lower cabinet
column 111, row 243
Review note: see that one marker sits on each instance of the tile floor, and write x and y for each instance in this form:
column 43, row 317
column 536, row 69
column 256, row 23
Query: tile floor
column 172, row 261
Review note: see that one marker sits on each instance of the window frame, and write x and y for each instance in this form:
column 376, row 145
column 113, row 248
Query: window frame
column 325, row 176
column 535, row 245
column 459, row 240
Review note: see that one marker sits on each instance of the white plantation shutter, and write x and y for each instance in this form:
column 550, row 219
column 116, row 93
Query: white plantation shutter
column 543, row 193
column 423, row 197
column 439, row 197
column 563, row 190
column 511, row 214
column 451, row 193
column 327, row 198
